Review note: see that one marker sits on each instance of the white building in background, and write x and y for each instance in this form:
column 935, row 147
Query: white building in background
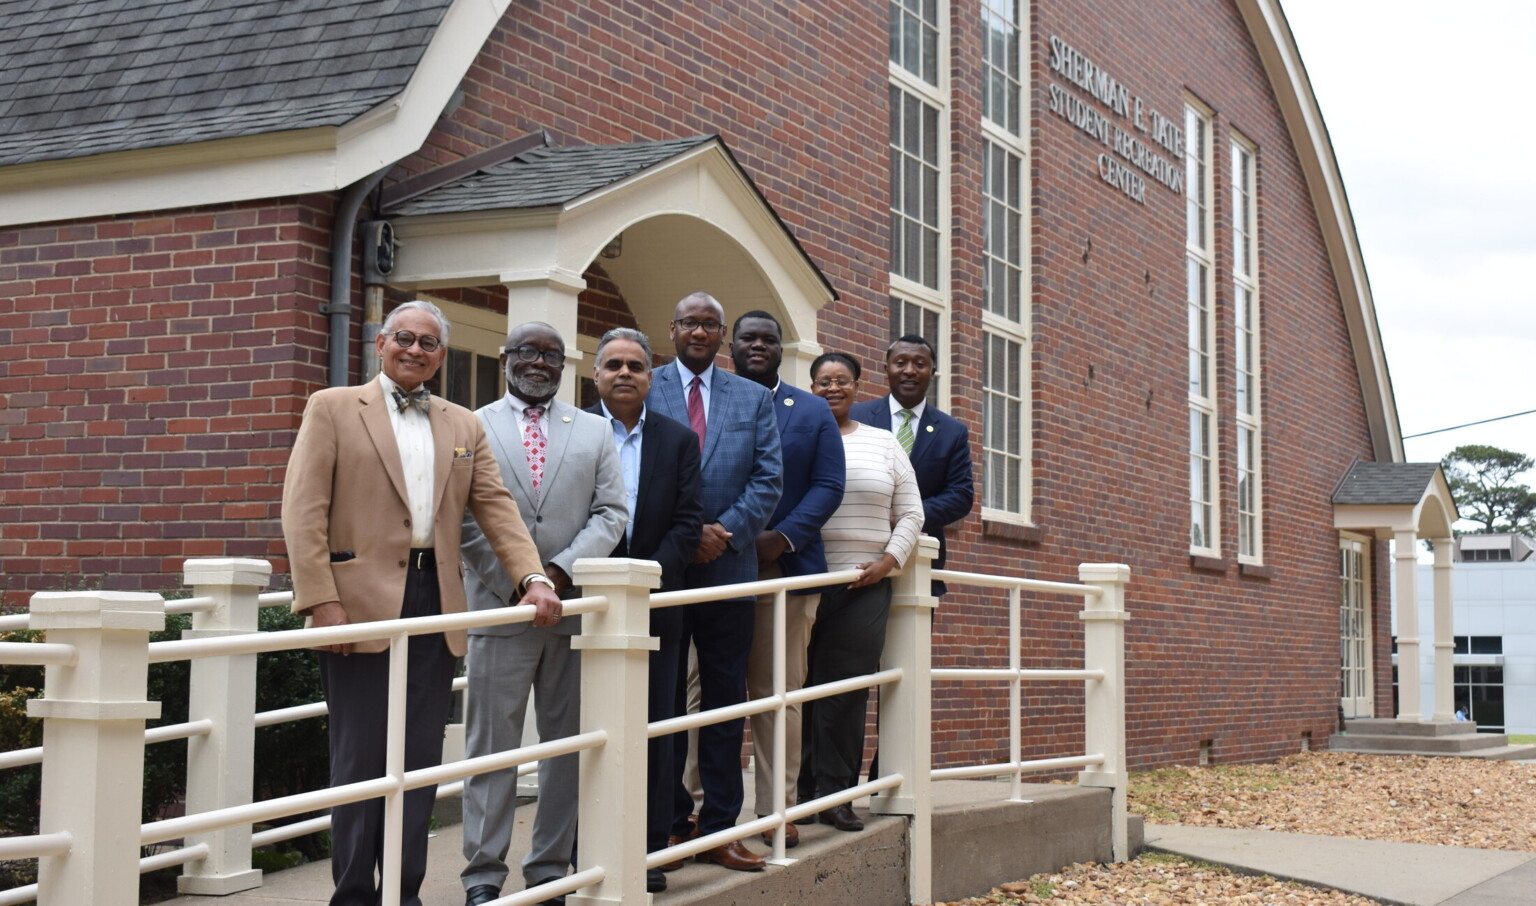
column 1494, row 604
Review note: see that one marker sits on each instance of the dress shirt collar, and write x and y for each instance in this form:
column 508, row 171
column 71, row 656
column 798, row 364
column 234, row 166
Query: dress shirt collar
column 917, row 411
column 618, row 425
column 686, row 376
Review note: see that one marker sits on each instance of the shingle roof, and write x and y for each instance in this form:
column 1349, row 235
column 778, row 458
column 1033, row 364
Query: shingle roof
column 78, row 79
column 547, row 176
column 1385, row 483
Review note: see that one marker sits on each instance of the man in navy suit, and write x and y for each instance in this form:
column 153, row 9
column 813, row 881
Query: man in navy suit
column 740, row 462
column 814, row 473
column 659, row 459
column 938, row 444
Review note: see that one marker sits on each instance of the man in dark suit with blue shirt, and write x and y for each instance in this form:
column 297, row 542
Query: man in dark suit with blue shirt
column 659, row 459
column 938, row 444
column 814, row 474
column 742, row 469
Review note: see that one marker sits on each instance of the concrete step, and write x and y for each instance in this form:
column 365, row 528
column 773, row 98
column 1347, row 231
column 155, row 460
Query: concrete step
column 1494, row 753
column 980, row 839
column 1463, row 744
column 1385, row 726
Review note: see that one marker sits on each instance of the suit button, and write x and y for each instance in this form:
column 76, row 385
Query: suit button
column 407, row 523
column 402, row 564
column 538, row 519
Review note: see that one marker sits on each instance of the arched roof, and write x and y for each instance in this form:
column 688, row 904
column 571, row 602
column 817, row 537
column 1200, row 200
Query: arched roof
column 1293, row 90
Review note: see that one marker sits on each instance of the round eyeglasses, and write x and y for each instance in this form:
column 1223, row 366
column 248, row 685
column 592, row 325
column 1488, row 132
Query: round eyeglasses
column 405, row 339
column 551, row 357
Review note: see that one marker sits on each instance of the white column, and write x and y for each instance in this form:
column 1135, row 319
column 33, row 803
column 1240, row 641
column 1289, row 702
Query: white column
column 1104, row 619
column 1405, row 562
column 615, row 647
column 906, row 713
column 798, row 356
column 93, row 742
column 550, row 296
column 223, row 691
column 1445, row 641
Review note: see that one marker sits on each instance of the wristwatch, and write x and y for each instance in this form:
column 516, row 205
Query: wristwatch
column 540, row 578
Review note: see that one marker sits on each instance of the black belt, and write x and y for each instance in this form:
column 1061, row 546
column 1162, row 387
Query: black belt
column 423, row 558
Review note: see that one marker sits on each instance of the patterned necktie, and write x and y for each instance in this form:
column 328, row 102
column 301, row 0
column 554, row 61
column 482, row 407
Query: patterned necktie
column 421, row 398
column 696, row 409
column 904, row 433
column 535, row 444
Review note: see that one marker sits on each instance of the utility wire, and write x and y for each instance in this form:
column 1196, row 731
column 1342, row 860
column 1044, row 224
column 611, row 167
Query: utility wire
column 1469, row 424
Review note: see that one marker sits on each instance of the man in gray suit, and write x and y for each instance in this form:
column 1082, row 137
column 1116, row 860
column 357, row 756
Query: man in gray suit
column 563, row 469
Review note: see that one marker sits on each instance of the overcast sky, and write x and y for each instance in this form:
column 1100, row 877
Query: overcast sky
column 1428, row 108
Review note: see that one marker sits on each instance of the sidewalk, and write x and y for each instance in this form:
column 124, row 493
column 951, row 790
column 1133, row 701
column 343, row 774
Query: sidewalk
column 1411, row 874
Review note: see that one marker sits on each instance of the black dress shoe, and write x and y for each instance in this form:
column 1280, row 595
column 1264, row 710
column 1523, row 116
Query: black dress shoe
column 655, row 880
column 481, row 893
column 842, row 818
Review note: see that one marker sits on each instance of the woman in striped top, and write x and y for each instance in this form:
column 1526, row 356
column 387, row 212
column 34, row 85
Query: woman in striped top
column 874, row 531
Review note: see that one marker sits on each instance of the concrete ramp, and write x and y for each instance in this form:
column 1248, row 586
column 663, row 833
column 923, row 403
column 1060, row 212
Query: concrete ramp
column 979, row 839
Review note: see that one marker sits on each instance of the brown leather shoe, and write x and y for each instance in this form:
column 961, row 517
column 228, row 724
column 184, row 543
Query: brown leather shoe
column 791, row 836
column 733, row 855
column 674, row 840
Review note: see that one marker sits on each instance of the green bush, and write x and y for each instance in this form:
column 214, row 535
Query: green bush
column 289, row 758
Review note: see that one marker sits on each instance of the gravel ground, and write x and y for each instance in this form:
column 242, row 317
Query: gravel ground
column 1448, row 801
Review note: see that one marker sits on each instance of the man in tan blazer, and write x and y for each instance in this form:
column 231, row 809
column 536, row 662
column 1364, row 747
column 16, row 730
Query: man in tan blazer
column 373, row 504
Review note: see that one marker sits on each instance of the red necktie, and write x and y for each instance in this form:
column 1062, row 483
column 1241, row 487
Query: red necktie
column 534, row 443
column 696, row 409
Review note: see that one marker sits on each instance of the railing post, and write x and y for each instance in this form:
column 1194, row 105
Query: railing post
column 906, row 713
column 616, row 646
column 93, row 714
column 1104, row 619
column 219, row 765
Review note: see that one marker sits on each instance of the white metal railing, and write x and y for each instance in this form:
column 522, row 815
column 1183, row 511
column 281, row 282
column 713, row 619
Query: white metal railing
column 97, row 653
column 1103, row 616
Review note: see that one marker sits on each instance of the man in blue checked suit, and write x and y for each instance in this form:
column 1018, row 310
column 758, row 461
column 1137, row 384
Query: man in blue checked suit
column 938, row 444
column 742, row 470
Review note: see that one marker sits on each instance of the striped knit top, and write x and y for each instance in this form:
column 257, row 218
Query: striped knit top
column 882, row 511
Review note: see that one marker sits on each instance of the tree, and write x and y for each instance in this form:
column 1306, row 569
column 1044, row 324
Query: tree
column 1482, row 480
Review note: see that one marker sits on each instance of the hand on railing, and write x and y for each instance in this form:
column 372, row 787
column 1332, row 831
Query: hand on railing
column 331, row 613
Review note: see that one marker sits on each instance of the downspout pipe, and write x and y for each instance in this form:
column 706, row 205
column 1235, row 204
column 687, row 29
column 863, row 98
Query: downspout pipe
column 343, row 231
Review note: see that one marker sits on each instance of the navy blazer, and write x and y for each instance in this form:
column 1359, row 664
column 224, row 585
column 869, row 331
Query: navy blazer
column 814, row 475
column 941, row 457
column 669, row 515
column 741, row 464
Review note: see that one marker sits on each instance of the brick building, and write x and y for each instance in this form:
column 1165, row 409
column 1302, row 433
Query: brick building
column 1121, row 224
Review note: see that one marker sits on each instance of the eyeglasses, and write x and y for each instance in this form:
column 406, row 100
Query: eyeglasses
column 689, row 325
column 529, row 354
column 829, row 383
column 405, row 339
column 634, row 365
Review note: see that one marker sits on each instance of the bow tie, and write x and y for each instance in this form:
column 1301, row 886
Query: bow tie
column 421, row 398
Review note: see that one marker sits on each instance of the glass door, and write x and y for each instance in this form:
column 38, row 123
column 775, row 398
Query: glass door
column 1354, row 628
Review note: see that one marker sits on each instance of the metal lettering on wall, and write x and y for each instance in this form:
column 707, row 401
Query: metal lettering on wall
column 1135, row 157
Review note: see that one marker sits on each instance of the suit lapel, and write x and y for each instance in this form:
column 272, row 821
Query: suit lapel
column 882, row 413
column 442, row 453
column 557, row 428
column 922, row 433
column 507, row 444
column 719, row 404
column 376, row 423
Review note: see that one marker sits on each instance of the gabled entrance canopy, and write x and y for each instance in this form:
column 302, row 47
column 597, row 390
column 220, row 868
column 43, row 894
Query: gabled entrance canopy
column 668, row 218
column 1406, row 501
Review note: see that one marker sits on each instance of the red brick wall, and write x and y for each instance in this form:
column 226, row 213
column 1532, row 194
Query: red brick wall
column 154, row 368
column 163, row 316
column 805, row 112
column 1247, row 662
